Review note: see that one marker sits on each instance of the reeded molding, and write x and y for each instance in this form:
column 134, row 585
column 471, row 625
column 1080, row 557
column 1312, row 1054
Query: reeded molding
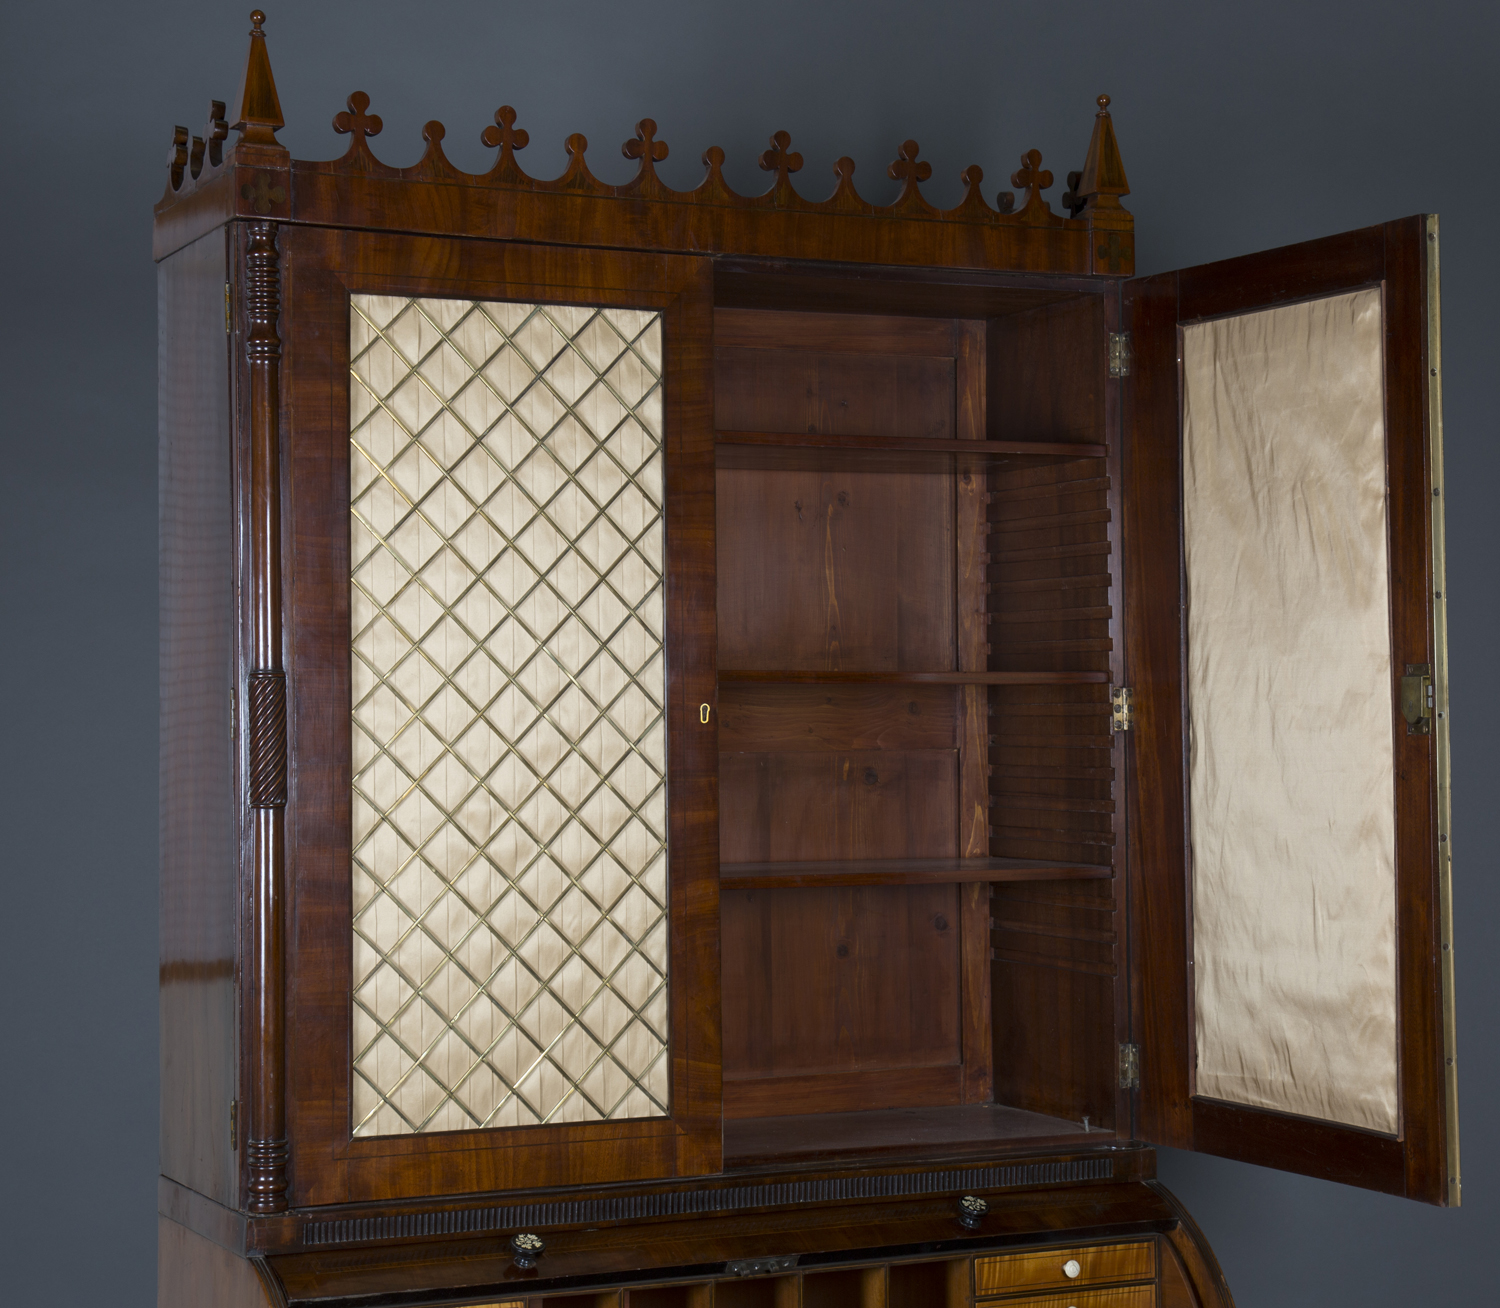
column 710, row 1200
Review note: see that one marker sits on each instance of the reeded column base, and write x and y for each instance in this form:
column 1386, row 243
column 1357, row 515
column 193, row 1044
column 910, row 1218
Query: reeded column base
column 267, row 1160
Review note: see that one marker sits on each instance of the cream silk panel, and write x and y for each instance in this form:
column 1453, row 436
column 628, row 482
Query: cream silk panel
column 508, row 735
column 1290, row 707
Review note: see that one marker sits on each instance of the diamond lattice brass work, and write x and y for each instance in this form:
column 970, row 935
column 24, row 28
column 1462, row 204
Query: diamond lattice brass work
column 509, row 753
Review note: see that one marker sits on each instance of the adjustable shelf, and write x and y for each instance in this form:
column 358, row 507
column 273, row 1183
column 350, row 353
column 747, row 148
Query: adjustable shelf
column 801, row 676
column 949, row 1129
column 811, row 451
column 900, row 872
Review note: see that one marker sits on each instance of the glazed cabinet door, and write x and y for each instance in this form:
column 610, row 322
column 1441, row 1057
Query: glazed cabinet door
column 1284, row 637
column 501, row 905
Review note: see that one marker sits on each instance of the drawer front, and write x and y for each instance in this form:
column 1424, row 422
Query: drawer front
column 1047, row 1268
column 1125, row 1296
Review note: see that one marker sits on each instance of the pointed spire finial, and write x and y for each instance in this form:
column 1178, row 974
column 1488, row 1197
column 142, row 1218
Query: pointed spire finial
column 1102, row 182
column 259, row 114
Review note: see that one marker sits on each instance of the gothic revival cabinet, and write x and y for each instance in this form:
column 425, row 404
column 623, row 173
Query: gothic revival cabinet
column 750, row 751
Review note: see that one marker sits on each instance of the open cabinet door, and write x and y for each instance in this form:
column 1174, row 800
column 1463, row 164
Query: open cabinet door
column 1288, row 765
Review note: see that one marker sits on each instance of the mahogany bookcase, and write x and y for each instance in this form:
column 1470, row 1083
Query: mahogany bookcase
column 715, row 748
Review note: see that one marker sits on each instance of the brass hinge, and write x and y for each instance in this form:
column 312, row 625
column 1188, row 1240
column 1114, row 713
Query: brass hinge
column 1119, row 354
column 1417, row 699
column 226, row 309
column 1130, row 1067
column 1122, row 706
column 234, row 1122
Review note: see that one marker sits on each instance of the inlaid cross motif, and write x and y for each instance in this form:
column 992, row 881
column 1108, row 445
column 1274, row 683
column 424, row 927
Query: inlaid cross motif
column 779, row 159
column 355, row 121
column 907, row 168
column 1114, row 253
column 261, row 194
column 505, row 133
column 645, row 146
column 1032, row 176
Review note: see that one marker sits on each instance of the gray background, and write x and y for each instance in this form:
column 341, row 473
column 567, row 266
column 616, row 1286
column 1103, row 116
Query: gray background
column 1242, row 127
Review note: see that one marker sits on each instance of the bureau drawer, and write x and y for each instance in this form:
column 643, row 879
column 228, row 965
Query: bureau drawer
column 1044, row 1269
column 1125, row 1296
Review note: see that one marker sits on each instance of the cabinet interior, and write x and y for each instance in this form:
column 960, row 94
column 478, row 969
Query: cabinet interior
column 916, row 628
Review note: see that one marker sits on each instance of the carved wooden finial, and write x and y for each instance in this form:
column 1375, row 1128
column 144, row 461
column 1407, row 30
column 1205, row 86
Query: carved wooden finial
column 1033, row 177
column 907, row 168
column 1102, row 182
column 355, row 122
column 177, row 157
column 644, row 145
column 216, row 132
column 1072, row 201
column 210, row 143
column 259, row 115
column 433, row 133
column 713, row 176
column 505, row 133
column 577, row 176
column 779, row 159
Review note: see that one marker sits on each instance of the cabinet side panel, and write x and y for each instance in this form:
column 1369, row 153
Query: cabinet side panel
column 197, row 817
column 1048, row 371
column 1054, row 972
column 192, row 1271
column 1050, row 606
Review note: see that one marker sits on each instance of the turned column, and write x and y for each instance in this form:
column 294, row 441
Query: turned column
column 265, row 699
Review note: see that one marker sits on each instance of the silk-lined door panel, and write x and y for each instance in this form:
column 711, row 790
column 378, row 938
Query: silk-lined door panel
column 1283, row 555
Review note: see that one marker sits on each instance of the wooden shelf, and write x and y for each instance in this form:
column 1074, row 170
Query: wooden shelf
column 808, row 677
column 956, row 1129
column 814, row 450
column 900, row 872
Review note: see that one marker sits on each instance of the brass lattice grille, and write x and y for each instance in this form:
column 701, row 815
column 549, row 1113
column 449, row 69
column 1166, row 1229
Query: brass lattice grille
column 509, row 758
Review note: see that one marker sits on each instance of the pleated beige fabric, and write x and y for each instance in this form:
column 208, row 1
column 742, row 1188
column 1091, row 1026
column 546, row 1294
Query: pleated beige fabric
column 1290, row 707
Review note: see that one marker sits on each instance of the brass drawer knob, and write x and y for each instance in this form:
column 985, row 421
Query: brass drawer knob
column 1071, row 1268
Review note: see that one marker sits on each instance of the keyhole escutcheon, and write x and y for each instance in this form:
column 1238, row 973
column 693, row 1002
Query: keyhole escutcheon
column 703, row 712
